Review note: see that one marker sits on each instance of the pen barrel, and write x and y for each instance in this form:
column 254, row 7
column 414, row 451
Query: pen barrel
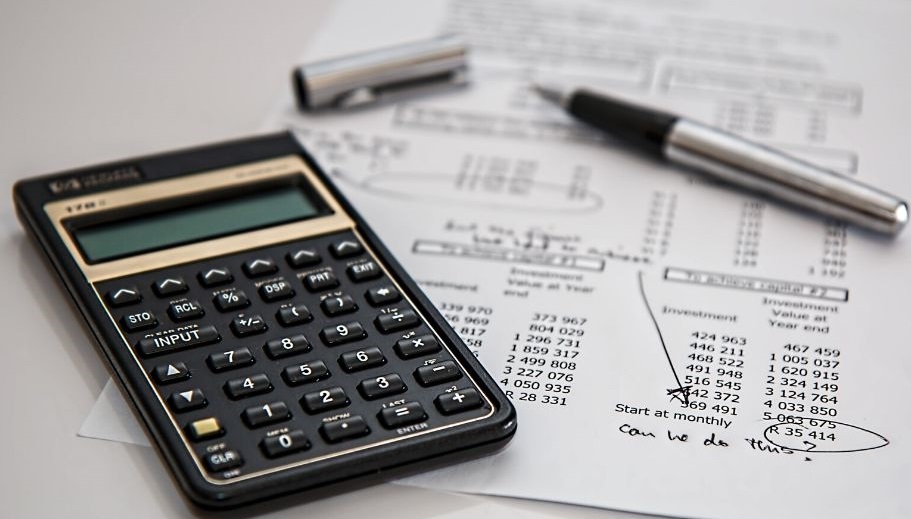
column 765, row 170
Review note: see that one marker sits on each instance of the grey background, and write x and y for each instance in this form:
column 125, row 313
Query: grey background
column 92, row 81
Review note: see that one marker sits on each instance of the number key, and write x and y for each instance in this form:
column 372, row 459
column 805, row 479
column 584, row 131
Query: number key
column 230, row 359
column 248, row 386
column 384, row 385
column 361, row 359
column 342, row 333
column 305, row 373
column 324, row 399
column 287, row 346
column 266, row 414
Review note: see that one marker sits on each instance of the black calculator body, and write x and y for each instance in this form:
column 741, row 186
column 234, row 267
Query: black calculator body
column 268, row 340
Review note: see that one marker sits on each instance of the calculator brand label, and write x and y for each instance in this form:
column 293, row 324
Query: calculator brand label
column 95, row 180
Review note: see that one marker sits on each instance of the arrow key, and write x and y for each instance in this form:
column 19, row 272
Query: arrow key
column 168, row 373
column 187, row 400
column 169, row 286
column 124, row 296
column 260, row 267
column 383, row 295
column 345, row 249
column 214, row 277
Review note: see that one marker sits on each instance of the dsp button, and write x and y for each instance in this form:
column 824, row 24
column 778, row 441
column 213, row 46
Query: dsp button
column 260, row 415
column 223, row 460
column 345, row 249
column 139, row 321
column 458, row 401
column 437, row 373
column 276, row 291
column 416, row 346
column 397, row 320
column 215, row 276
column 353, row 427
column 185, row 310
column 260, row 267
column 286, row 443
column 177, row 341
column 124, row 296
column 401, row 415
column 169, row 286
column 364, row 271
column 322, row 280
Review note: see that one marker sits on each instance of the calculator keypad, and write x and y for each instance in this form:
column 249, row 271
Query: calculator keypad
column 310, row 350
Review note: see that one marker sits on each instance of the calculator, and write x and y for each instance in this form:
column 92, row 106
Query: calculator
column 266, row 337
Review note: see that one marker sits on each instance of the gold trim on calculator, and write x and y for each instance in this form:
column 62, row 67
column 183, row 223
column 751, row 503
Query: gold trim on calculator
column 234, row 177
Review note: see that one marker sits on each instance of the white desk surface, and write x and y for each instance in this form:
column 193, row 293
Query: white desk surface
column 92, row 81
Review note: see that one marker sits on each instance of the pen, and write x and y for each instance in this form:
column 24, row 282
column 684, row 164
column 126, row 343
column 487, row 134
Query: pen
column 735, row 160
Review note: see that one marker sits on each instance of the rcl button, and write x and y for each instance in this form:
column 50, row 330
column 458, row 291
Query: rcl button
column 185, row 310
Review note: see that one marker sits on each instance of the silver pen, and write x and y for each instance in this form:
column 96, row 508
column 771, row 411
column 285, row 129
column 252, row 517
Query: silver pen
column 735, row 160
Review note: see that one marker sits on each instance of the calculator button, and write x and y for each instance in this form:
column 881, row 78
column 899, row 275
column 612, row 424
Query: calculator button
column 438, row 373
column 248, row 386
column 400, row 415
column 178, row 340
column 244, row 326
column 223, row 460
column 170, row 286
column 167, row 373
column 286, row 443
column 343, row 304
column 361, row 359
column 124, row 296
column 292, row 315
column 325, row 399
column 266, row 414
column 345, row 249
column 205, row 429
column 215, row 277
column 139, row 321
column 260, row 267
column 395, row 321
column 287, row 346
column 345, row 429
column 225, row 360
column 185, row 310
column 276, row 291
column 187, row 400
column 342, row 333
column 383, row 295
column 417, row 346
column 305, row 373
column 303, row 258
column 384, row 385
column 231, row 300
column 322, row 280
column 364, row 271
column 458, row 401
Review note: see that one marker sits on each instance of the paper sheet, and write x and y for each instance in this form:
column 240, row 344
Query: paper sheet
column 672, row 346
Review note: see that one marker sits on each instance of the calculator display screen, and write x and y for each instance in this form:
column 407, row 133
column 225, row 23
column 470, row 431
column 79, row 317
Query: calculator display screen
column 192, row 223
